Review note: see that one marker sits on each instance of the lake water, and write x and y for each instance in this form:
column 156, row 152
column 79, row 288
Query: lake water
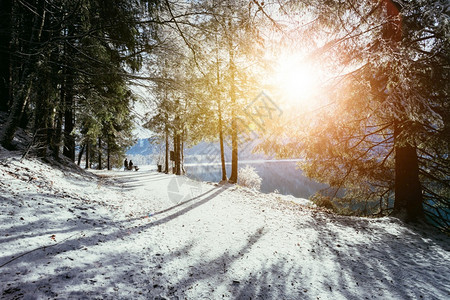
column 279, row 175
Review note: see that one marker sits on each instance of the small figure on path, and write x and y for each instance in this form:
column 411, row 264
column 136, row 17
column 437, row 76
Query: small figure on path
column 130, row 165
column 125, row 164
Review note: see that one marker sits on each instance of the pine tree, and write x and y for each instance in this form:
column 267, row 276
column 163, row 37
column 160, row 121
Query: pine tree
column 56, row 53
column 385, row 134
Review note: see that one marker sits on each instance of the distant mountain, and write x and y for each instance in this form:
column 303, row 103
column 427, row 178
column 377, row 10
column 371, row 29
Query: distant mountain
column 142, row 147
column 203, row 151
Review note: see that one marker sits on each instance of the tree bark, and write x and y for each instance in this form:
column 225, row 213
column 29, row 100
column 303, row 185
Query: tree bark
column 174, row 169
column 407, row 187
column 178, row 155
column 234, row 141
column 108, row 154
column 167, row 152
column 219, row 106
column 25, row 115
column 177, row 146
column 69, row 140
column 57, row 137
column 88, row 153
column 80, row 154
column 176, row 152
column 5, row 54
column 222, row 150
column 183, row 171
column 100, row 154
column 42, row 118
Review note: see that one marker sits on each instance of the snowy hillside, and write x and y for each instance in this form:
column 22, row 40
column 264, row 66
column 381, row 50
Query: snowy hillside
column 146, row 235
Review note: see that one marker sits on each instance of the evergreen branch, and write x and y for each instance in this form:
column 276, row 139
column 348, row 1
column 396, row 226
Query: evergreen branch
column 188, row 44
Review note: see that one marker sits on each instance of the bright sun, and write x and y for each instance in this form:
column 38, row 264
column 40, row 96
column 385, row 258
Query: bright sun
column 296, row 80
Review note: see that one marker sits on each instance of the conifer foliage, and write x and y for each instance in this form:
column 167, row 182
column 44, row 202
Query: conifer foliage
column 383, row 134
column 64, row 69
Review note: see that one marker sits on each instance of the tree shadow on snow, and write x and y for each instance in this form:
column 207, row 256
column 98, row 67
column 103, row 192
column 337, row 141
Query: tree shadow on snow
column 16, row 267
column 348, row 259
column 377, row 261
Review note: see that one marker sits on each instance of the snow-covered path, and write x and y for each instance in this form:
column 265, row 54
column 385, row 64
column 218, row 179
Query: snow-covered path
column 130, row 235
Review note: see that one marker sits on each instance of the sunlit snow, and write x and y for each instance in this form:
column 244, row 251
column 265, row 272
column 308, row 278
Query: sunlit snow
column 118, row 234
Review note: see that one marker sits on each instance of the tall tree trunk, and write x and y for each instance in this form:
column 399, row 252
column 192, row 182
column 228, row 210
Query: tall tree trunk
column 176, row 146
column 176, row 152
column 25, row 115
column 88, row 153
column 43, row 111
column 100, row 153
column 42, row 114
column 178, row 155
column 166, row 166
column 234, row 141
column 219, row 106
column 183, row 171
column 222, row 151
column 80, row 154
column 408, row 190
column 53, row 115
column 57, row 137
column 14, row 117
column 108, row 154
column 69, row 140
column 5, row 54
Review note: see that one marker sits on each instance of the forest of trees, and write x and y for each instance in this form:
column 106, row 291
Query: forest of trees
column 65, row 68
column 68, row 68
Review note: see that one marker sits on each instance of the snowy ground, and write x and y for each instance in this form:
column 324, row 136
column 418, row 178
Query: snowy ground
column 145, row 235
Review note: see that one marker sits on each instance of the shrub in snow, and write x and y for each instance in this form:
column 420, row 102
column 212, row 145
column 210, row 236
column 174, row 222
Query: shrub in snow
column 323, row 201
column 249, row 178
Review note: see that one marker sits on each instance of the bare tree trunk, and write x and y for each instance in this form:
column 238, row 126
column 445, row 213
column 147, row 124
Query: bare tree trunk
column 88, row 153
column 69, row 140
column 177, row 146
column 176, row 152
column 167, row 152
column 56, row 141
column 66, row 97
column 222, row 151
column 234, row 142
column 219, row 104
column 178, row 155
column 25, row 115
column 42, row 121
column 5, row 57
column 408, row 190
column 183, row 171
column 80, row 154
column 174, row 168
column 100, row 153
column 108, row 155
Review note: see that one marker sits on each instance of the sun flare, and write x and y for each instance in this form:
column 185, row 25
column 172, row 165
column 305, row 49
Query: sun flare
column 296, row 80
